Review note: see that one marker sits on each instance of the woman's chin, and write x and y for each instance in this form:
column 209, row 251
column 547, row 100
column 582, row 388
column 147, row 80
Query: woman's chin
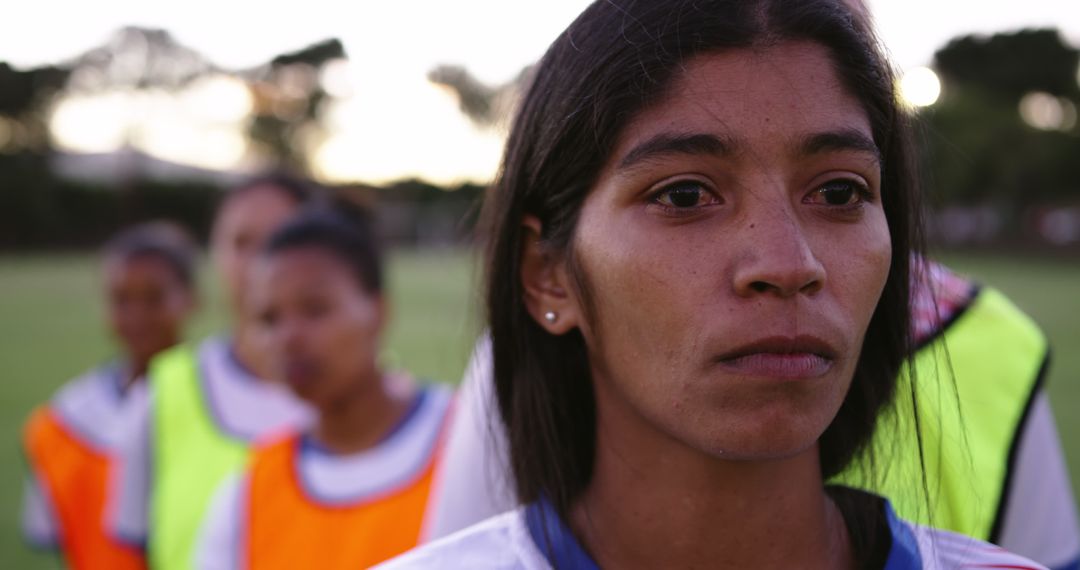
column 762, row 439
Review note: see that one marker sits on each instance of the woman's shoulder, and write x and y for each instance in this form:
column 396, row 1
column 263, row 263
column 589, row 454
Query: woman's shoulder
column 499, row 543
column 941, row 550
column 89, row 406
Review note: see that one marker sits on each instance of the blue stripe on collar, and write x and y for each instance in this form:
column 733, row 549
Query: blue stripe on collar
column 904, row 552
column 554, row 540
column 414, row 407
column 562, row 550
column 116, row 379
column 309, row 445
column 1073, row 565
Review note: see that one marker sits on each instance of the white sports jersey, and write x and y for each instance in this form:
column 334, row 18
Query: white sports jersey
column 1040, row 519
column 241, row 405
column 331, row 478
column 472, row 485
column 534, row 538
column 90, row 407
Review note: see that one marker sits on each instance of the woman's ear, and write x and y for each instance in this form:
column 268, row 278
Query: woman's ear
column 544, row 277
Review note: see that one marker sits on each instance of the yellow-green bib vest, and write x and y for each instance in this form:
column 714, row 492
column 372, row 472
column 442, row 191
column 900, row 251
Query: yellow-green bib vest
column 974, row 385
column 191, row 458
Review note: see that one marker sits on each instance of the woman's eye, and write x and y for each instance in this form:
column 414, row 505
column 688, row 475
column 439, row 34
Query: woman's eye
column 267, row 318
column 685, row 195
column 840, row 193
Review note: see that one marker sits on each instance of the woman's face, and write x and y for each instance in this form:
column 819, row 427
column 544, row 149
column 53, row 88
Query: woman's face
column 147, row 304
column 243, row 224
column 317, row 326
column 734, row 249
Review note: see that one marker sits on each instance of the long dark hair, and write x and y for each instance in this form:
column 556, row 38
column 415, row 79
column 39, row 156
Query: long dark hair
column 614, row 61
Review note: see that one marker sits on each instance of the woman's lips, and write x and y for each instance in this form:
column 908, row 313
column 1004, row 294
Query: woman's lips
column 300, row 373
column 779, row 365
column 781, row 357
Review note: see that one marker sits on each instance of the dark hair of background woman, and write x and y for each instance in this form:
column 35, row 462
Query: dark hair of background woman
column 613, row 62
column 163, row 240
column 299, row 189
column 343, row 230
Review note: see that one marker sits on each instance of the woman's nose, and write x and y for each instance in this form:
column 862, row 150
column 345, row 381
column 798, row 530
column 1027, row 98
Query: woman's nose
column 288, row 335
column 778, row 260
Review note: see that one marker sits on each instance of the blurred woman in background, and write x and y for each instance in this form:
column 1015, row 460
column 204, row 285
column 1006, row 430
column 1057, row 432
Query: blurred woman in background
column 698, row 296
column 205, row 404
column 149, row 295
column 352, row 490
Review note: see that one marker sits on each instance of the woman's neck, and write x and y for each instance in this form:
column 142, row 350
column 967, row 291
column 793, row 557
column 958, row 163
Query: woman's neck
column 653, row 502
column 360, row 419
column 132, row 372
column 247, row 354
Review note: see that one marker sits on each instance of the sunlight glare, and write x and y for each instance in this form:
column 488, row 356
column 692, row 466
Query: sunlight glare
column 1045, row 112
column 91, row 123
column 920, row 87
column 219, row 99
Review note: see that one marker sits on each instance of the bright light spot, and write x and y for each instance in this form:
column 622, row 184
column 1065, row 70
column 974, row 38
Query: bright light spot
column 91, row 123
column 221, row 149
column 344, row 114
column 1061, row 227
column 1069, row 119
column 219, row 99
column 336, row 78
column 175, row 140
column 336, row 159
column 1045, row 112
column 200, row 127
column 411, row 129
column 920, row 87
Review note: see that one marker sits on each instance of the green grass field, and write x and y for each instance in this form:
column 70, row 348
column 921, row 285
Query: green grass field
column 50, row 330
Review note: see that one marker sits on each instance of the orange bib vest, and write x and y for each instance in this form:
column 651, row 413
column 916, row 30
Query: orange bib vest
column 286, row 528
column 75, row 475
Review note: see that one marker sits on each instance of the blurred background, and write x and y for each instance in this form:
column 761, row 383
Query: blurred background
column 117, row 111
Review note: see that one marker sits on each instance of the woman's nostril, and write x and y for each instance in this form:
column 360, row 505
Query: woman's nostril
column 759, row 286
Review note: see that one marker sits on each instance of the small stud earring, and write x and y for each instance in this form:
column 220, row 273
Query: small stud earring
column 551, row 316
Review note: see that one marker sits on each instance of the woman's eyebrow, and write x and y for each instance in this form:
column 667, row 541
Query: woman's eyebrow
column 840, row 140
column 664, row 144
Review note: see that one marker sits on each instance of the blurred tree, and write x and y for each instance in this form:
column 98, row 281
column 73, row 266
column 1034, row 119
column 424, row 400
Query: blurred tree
column 288, row 99
column 483, row 104
column 24, row 99
column 1011, row 65
column 40, row 208
column 980, row 150
column 21, row 90
column 314, row 55
column 138, row 58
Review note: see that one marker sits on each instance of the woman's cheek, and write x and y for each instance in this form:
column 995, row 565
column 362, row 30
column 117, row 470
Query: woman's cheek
column 869, row 267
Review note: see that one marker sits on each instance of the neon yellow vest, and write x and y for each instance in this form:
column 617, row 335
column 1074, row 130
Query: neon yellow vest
column 191, row 458
column 981, row 373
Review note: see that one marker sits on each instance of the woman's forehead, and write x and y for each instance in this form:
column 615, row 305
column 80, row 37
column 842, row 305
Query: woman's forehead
column 752, row 99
